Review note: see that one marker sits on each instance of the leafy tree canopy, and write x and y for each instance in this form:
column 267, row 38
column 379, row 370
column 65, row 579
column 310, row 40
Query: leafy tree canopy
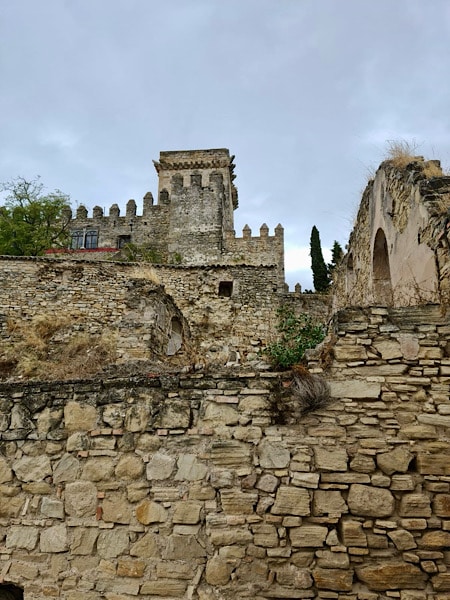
column 32, row 221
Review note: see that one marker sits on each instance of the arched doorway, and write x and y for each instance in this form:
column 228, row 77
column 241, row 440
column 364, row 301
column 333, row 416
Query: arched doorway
column 10, row 592
column 381, row 273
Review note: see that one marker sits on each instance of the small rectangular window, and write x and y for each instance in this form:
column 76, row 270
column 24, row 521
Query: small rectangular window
column 225, row 289
column 122, row 240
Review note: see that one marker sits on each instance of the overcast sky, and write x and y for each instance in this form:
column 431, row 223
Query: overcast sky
column 305, row 93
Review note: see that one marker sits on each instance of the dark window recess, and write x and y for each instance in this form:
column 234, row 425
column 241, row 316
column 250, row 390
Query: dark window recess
column 91, row 239
column 77, row 240
column 10, row 592
column 225, row 289
column 122, row 240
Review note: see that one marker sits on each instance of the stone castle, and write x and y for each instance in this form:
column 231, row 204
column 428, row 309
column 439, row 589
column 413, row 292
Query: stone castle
column 180, row 466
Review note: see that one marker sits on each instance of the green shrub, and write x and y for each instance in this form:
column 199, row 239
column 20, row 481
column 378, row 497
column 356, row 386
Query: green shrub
column 296, row 335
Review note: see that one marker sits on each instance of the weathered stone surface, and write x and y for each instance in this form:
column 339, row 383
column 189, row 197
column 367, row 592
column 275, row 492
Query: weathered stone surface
column 52, row 508
column 291, row 501
column 441, row 583
column 433, row 464
column 362, row 464
column 5, row 471
column 308, row 536
column 221, row 413
column 333, row 579
column 98, row 469
column 66, row 469
column 236, row 502
column 395, row 461
column 291, row 575
column 415, row 505
column 112, row 543
column 164, row 588
column 353, row 534
column 175, row 414
column 441, row 505
column 328, row 502
column 80, row 499
column 391, row 576
column 22, row 537
column 116, row 509
column 265, row 535
column 267, row 483
column 130, row 568
column 331, row 460
column 273, row 456
column 187, row 512
column 83, row 540
column 370, row 501
column 358, row 389
column 218, row 571
column 32, row 468
column 402, row 539
column 79, row 417
column 146, row 546
column 227, row 537
column 183, row 547
column 388, row 349
column 190, row 469
column 160, row 466
column 435, row 539
column 150, row 512
column 129, row 467
column 332, row 560
column 54, row 539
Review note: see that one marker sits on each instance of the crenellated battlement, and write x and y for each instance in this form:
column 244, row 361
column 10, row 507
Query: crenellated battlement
column 191, row 221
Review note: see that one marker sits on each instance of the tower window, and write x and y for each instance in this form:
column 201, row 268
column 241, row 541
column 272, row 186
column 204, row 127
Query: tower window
column 10, row 592
column 225, row 289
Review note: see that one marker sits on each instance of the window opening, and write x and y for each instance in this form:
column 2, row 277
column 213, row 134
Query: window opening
column 77, row 240
column 91, row 239
column 122, row 240
column 225, row 289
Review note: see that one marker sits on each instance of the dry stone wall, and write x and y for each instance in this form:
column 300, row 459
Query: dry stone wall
column 190, row 486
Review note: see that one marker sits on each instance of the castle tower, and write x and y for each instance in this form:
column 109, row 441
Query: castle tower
column 197, row 186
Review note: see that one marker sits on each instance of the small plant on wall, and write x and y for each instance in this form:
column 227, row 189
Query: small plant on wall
column 297, row 333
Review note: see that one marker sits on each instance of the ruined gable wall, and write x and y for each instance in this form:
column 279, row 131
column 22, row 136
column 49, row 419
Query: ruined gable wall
column 395, row 202
column 185, row 485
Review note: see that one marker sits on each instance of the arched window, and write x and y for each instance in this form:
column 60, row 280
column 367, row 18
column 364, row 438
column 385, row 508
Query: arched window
column 381, row 273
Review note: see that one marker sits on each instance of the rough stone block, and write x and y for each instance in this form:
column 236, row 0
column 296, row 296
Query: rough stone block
column 331, row 460
column 80, row 499
column 291, row 501
column 79, row 417
column 338, row 580
column 392, row 576
column 308, row 536
column 369, row 501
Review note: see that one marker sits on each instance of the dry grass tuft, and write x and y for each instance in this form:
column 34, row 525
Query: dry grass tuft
column 46, row 348
column 145, row 271
column 401, row 152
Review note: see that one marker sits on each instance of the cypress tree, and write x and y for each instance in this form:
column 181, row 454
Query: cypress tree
column 321, row 279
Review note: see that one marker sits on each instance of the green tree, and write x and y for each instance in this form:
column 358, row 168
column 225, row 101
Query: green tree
column 321, row 278
column 336, row 255
column 32, row 221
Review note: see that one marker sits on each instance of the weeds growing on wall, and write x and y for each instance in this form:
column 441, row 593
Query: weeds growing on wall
column 303, row 394
column 297, row 333
column 402, row 152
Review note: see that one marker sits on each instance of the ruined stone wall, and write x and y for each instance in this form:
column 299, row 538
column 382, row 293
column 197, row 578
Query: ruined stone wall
column 398, row 252
column 190, row 486
column 230, row 311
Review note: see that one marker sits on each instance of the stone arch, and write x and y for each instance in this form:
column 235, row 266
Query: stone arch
column 381, row 272
column 10, row 592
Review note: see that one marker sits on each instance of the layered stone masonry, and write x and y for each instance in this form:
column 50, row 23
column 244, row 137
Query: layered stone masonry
column 184, row 486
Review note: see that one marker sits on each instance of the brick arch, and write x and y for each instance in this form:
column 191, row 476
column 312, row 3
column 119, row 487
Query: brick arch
column 381, row 272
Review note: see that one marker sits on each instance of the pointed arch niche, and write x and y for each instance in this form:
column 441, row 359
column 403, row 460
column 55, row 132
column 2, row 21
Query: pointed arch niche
column 381, row 273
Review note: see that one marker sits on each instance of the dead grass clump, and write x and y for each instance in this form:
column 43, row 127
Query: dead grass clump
column 304, row 394
column 145, row 271
column 432, row 168
column 401, row 152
